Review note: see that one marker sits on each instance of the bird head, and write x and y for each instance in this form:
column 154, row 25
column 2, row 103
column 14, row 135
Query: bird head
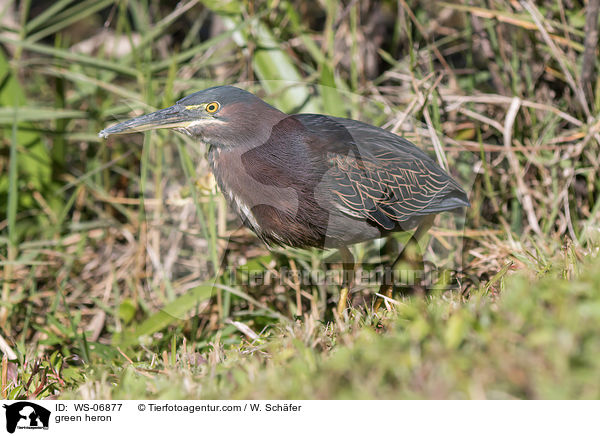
column 223, row 116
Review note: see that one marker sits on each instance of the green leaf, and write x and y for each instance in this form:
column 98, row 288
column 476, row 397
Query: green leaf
column 127, row 310
column 456, row 330
column 172, row 312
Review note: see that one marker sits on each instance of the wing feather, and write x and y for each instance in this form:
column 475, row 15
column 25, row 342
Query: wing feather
column 380, row 187
column 379, row 176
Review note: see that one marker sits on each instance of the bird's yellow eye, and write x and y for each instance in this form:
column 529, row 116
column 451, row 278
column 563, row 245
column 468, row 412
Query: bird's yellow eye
column 211, row 108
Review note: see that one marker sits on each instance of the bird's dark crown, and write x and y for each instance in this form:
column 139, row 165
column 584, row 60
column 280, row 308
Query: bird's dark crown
column 222, row 94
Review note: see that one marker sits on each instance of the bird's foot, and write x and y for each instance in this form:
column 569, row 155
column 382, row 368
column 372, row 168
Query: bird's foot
column 343, row 302
column 384, row 290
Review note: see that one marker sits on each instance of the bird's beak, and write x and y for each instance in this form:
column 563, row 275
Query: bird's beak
column 170, row 118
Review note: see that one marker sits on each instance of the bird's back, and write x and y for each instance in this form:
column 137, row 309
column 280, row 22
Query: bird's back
column 376, row 175
column 321, row 181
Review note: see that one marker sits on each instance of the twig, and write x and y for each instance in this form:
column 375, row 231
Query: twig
column 574, row 238
column 297, row 288
column 437, row 145
column 243, row 328
column 479, row 117
column 5, row 348
column 4, row 377
column 389, row 300
column 136, row 370
column 514, row 163
column 501, row 99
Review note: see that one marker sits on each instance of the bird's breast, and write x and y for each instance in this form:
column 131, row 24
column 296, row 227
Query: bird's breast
column 259, row 199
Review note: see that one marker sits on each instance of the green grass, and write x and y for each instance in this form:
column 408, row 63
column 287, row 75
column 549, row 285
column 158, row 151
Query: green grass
column 113, row 253
column 532, row 338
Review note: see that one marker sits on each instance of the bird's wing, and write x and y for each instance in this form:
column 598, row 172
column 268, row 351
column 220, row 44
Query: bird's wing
column 389, row 190
column 376, row 175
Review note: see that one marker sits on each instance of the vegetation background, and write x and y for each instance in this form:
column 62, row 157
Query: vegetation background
column 117, row 256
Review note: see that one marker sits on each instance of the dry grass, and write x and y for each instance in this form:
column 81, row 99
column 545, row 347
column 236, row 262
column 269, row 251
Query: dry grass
column 97, row 237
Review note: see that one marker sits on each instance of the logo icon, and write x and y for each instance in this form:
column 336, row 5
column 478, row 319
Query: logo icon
column 26, row 415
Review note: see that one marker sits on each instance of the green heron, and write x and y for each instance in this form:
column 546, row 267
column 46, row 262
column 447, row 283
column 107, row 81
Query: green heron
column 309, row 180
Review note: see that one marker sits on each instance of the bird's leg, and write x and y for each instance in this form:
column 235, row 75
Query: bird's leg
column 348, row 278
column 387, row 282
column 408, row 252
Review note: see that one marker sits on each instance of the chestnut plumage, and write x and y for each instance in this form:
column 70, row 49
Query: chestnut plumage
column 308, row 180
